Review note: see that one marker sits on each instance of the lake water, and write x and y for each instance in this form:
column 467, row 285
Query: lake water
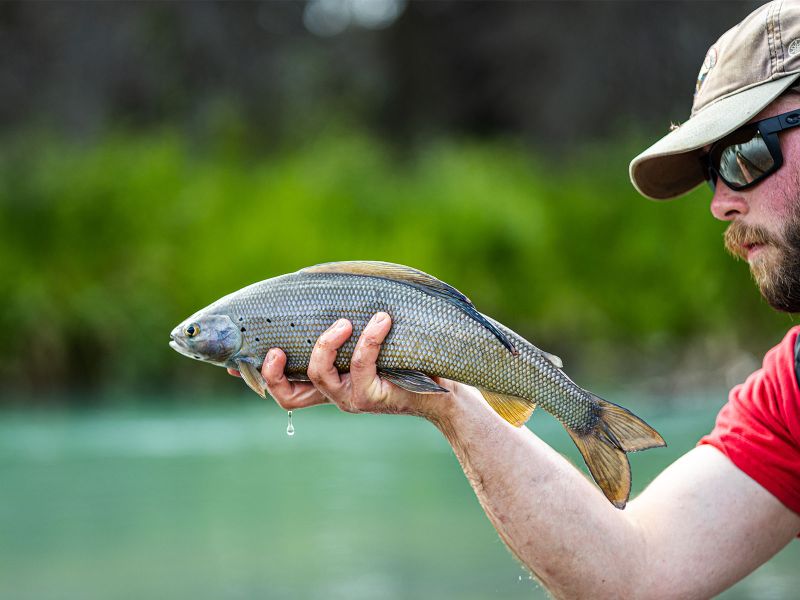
column 221, row 503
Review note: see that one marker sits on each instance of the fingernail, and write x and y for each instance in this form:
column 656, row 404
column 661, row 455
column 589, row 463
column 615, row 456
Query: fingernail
column 270, row 357
column 378, row 318
column 341, row 324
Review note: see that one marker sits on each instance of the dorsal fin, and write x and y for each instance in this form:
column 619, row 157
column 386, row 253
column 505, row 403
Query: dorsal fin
column 387, row 270
column 416, row 278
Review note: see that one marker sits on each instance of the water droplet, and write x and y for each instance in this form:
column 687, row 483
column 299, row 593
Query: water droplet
column 290, row 427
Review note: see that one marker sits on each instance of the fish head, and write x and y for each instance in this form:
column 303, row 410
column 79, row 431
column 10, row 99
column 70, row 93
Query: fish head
column 211, row 338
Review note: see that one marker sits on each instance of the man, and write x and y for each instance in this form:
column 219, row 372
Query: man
column 732, row 502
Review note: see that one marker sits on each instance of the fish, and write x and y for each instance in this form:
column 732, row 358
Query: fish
column 436, row 332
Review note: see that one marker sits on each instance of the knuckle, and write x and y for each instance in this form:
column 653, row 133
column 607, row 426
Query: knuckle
column 361, row 399
column 323, row 344
column 343, row 406
column 359, row 361
column 370, row 341
column 361, row 404
column 283, row 402
column 314, row 374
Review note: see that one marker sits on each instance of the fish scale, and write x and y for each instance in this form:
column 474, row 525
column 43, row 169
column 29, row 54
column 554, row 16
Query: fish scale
column 436, row 331
column 427, row 335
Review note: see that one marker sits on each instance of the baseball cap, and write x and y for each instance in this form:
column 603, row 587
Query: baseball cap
column 743, row 72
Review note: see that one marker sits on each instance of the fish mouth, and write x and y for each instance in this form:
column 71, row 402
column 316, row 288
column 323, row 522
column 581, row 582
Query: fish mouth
column 173, row 340
column 175, row 344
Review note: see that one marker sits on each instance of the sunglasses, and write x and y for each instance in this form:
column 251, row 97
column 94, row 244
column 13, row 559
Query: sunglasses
column 750, row 154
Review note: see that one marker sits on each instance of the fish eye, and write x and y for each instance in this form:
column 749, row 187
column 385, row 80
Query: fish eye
column 192, row 330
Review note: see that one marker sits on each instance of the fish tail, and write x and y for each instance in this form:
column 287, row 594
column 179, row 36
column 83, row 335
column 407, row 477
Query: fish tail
column 604, row 448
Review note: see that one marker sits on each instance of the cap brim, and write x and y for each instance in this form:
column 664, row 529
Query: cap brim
column 671, row 167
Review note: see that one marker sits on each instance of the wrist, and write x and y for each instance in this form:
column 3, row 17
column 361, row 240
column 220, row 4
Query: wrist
column 463, row 404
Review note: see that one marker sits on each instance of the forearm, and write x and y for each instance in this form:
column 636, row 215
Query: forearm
column 549, row 515
column 698, row 528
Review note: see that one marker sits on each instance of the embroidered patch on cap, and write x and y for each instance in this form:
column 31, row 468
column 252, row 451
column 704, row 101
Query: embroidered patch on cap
column 708, row 64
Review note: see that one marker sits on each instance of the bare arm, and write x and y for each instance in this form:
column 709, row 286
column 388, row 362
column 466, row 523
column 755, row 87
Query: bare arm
column 697, row 529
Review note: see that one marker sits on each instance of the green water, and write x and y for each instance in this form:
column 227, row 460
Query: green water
column 221, row 503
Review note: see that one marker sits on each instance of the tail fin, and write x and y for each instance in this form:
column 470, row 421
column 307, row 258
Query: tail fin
column 616, row 432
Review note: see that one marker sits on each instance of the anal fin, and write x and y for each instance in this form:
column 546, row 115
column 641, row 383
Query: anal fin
column 513, row 409
column 413, row 381
column 252, row 378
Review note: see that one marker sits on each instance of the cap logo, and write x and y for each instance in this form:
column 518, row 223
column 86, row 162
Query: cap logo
column 794, row 47
column 708, row 64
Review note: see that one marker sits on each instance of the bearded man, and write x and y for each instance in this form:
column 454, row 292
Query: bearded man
column 733, row 501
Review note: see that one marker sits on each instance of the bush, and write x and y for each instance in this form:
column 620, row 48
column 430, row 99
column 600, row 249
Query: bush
column 106, row 247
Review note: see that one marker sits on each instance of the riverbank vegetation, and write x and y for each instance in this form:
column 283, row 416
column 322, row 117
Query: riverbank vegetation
column 106, row 245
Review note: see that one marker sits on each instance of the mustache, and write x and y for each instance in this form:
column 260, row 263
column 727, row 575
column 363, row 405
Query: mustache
column 739, row 236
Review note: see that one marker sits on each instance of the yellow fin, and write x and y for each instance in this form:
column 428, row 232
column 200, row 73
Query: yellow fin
column 630, row 431
column 608, row 465
column 514, row 410
column 603, row 448
column 252, row 378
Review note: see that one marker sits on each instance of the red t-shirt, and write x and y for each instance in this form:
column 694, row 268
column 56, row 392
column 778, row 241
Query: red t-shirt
column 759, row 428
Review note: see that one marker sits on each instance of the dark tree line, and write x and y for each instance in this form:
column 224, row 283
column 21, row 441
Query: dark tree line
column 549, row 71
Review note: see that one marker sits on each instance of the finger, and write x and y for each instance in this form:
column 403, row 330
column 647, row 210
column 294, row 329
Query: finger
column 363, row 371
column 234, row 372
column 321, row 368
column 288, row 394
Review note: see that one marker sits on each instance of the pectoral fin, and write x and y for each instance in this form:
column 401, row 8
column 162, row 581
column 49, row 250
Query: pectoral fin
column 413, row 381
column 252, row 378
column 514, row 410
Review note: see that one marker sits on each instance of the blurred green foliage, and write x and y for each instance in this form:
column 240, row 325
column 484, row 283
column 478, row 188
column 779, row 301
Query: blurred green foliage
column 105, row 247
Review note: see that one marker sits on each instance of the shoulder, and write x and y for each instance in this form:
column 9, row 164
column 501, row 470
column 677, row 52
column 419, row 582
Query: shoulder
column 759, row 427
column 777, row 379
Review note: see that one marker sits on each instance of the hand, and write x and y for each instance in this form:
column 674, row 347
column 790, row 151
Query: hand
column 360, row 390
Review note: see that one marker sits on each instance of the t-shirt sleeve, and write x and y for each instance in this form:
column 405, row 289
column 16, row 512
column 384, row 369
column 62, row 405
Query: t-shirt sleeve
column 759, row 427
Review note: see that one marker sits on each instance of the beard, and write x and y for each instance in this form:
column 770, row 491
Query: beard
column 776, row 269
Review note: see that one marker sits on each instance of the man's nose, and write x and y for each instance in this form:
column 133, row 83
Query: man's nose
column 726, row 205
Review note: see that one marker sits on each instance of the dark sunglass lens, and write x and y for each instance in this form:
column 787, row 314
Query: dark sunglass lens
column 742, row 163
